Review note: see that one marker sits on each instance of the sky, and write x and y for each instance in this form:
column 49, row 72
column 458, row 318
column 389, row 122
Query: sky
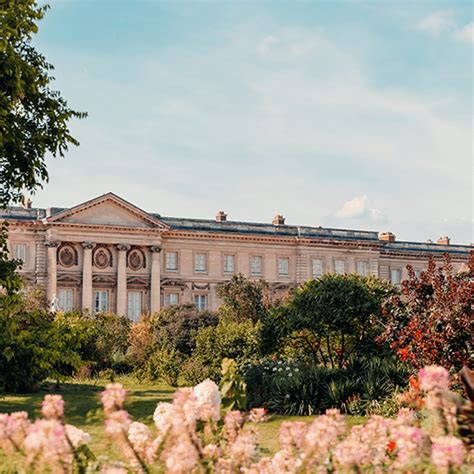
column 343, row 114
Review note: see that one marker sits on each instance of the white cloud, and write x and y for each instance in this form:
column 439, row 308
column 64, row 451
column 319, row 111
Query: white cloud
column 437, row 22
column 466, row 33
column 266, row 44
column 359, row 208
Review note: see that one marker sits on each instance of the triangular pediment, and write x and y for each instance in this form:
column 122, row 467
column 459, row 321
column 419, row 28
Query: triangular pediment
column 109, row 210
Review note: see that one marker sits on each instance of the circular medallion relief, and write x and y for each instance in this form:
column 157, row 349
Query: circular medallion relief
column 135, row 260
column 67, row 256
column 101, row 258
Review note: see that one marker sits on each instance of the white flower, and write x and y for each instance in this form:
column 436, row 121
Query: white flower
column 208, row 400
column 163, row 417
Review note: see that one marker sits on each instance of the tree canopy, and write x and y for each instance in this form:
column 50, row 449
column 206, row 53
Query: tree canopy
column 34, row 119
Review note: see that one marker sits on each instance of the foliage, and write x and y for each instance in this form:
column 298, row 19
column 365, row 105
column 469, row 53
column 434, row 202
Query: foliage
column 243, row 299
column 34, row 346
column 179, row 325
column 190, row 436
column 431, row 322
column 33, row 118
column 294, row 388
column 232, row 387
column 164, row 364
column 239, row 341
column 194, row 371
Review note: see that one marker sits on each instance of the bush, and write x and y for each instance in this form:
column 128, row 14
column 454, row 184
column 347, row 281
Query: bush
column 164, row 364
column 365, row 385
column 239, row 341
column 194, row 371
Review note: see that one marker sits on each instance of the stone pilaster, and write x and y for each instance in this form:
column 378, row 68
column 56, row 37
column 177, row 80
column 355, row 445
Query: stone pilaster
column 155, row 284
column 122, row 279
column 87, row 276
column 51, row 285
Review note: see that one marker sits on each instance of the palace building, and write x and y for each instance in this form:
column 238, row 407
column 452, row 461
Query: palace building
column 108, row 255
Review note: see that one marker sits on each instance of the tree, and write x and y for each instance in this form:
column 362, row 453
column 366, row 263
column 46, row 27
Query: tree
column 431, row 321
column 242, row 299
column 332, row 317
column 33, row 117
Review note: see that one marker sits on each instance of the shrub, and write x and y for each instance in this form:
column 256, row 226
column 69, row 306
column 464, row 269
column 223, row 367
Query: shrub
column 365, row 385
column 194, row 371
column 239, row 341
column 164, row 364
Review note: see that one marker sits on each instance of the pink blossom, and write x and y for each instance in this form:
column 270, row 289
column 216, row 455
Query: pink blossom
column 324, row 432
column 76, row 436
column 139, row 436
column 242, row 449
column 447, row 451
column 52, row 407
column 292, row 434
column 233, row 422
column 113, row 397
column 163, row 417
column 13, row 429
column 257, row 415
column 117, row 423
column 180, row 458
column 433, row 377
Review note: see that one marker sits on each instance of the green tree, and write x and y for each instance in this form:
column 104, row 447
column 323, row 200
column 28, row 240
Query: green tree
column 242, row 299
column 33, row 117
column 331, row 317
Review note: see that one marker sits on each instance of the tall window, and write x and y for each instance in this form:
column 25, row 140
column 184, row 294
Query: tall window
column 283, row 266
column 256, row 263
column 20, row 252
column 362, row 268
column 101, row 301
column 171, row 261
column 317, row 264
column 200, row 301
column 171, row 299
column 396, row 276
column 66, row 300
column 134, row 305
column 340, row 267
column 229, row 264
column 200, row 262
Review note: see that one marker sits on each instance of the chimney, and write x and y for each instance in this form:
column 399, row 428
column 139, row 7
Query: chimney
column 221, row 216
column 387, row 237
column 444, row 240
column 278, row 220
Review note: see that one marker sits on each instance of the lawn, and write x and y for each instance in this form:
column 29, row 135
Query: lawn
column 82, row 410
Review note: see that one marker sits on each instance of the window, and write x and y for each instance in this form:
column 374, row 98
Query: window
column 101, row 301
column 283, row 266
column 200, row 301
column 172, row 261
column 340, row 267
column 200, row 263
column 395, row 276
column 362, row 268
column 229, row 264
column 171, row 299
column 317, row 264
column 66, row 300
column 134, row 305
column 20, row 252
column 256, row 265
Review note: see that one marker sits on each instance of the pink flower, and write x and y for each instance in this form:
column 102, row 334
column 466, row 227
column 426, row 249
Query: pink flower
column 257, row 415
column 243, row 448
column 292, row 434
column 447, row 451
column 433, row 377
column 117, row 423
column 52, row 407
column 77, row 436
column 163, row 417
column 180, row 458
column 113, row 397
column 139, row 436
column 233, row 422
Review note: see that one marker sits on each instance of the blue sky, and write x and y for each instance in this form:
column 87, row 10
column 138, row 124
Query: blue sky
column 333, row 113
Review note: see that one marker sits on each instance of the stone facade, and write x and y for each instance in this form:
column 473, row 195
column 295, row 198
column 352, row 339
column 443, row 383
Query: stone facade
column 107, row 254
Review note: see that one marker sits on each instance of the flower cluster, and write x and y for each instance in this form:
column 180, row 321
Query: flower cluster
column 192, row 434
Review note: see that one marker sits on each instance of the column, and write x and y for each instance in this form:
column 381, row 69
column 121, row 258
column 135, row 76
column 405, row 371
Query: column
column 87, row 276
column 155, row 284
column 122, row 279
column 51, row 286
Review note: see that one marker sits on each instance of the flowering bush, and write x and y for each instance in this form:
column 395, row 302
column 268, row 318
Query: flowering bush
column 193, row 435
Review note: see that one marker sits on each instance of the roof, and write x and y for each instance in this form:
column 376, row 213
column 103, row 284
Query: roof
column 255, row 228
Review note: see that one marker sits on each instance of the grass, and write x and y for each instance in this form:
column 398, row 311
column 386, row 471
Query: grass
column 82, row 409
